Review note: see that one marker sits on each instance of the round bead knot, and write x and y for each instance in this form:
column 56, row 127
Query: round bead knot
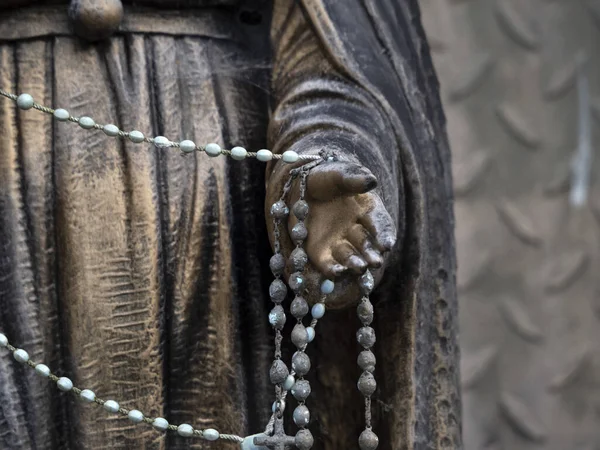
column 366, row 337
column 367, row 384
column 299, row 308
column 301, row 390
column 368, row 440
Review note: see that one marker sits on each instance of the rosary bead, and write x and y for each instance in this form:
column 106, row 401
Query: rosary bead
column 112, row 406
column 87, row 396
column 304, row 440
column 276, row 403
column 210, row 434
column 327, row 287
column 135, row 416
column 299, row 336
column 366, row 337
column 264, row 155
column 300, row 363
column 25, row 101
column 301, row 390
column 296, row 282
column 368, row 440
column 86, row 122
column 187, row 146
column 366, row 361
column 239, row 153
column 278, row 372
column 289, row 383
column 278, row 291
column 366, row 283
column 162, row 142
column 3, row 340
column 318, row 310
column 299, row 308
column 213, row 149
column 299, row 232
column 64, row 384
column 21, row 355
column 290, row 157
column 185, row 430
column 43, row 370
column 160, row 424
column 277, row 317
column 310, row 331
column 61, row 115
column 365, row 312
column 136, row 136
column 277, row 264
column 367, row 384
column 299, row 259
column 279, row 210
column 301, row 416
column 300, row 209
column 110, row 130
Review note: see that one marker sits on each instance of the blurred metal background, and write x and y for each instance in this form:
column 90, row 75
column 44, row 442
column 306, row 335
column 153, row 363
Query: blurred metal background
column 521, row 87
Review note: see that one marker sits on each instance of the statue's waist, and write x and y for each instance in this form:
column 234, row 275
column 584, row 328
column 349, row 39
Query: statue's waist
column 53, row 20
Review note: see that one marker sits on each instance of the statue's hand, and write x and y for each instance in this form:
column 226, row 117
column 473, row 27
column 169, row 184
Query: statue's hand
column 349, row 229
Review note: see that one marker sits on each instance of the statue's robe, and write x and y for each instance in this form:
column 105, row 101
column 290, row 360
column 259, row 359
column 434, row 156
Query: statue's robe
column 143, row 275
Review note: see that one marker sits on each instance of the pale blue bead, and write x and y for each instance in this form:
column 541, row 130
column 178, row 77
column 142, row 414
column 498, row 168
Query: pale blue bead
column 25, row 101
column 110, row 130
column 64, row 384
column 21, row 355
column 87, row 396
column 238, row 153
column 185, row 430
column 318, row 310
column 248, row 442
column 212, row 149
column 136, row 136
column 111, row 406
column 327, row 287
column 61, row 114
column 264, row 155
column 311, row 333
column 162, row 142
column 3, row 340
column 86, row 122
column 290, row 156
column 43, row 370
column 210, row 434
column 187, row 146
column 135, row 416
column 289, row 382
column 160, row 424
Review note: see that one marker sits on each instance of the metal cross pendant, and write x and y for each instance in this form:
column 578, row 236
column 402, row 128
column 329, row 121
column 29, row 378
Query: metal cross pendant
column 279, row 440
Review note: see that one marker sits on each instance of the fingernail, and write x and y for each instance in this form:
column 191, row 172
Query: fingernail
column 388, row 242
column 358, row 262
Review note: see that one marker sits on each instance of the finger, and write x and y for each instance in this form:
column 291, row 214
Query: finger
column 328, row 266
column 349, row 257
column 332, row 179
column 361, row 240
column 380, row 225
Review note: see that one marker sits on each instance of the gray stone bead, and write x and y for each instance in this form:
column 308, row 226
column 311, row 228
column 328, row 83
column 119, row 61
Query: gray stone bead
column 278, row 372
column 366, row 283
column 367, row 384
column 365, row 312
column 301, row 390
column 368, row 440
column 279, row 210
column 366, row 361
column 301, row 363
column 299, row 259
column 278, row 291
column 366, row 337
column 299, row 308
column 299, row 232
column 277, row 317
column 297, row 282
column 304, row 440
column 301, row 416
column 299, row 336
column 300, row 209
column 277, row 264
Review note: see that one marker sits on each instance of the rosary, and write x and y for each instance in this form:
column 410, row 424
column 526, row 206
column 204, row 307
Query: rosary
column 284, row 379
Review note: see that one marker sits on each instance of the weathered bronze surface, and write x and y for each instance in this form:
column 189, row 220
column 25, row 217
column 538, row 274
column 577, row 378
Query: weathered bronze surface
column 143, row 275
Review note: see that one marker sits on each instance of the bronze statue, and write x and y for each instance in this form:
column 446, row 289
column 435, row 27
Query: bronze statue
column 145, row 276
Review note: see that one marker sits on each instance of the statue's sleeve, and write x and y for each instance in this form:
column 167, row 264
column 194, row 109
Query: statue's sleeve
column 316, row 106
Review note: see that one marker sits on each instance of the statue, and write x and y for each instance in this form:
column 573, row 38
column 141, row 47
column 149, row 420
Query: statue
column 144, row 275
